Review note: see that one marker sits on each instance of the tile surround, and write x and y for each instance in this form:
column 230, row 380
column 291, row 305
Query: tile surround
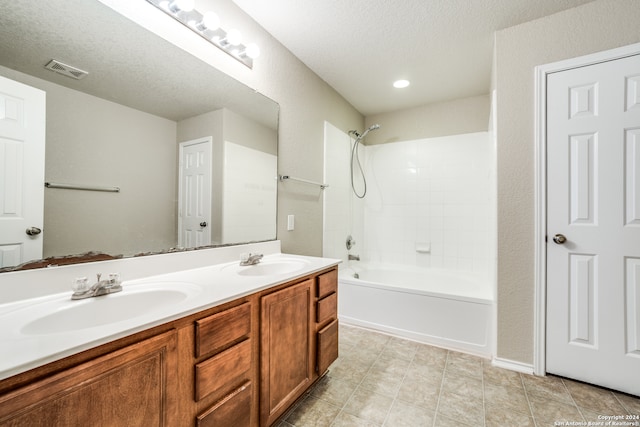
column 437, row 192
column 383, row 381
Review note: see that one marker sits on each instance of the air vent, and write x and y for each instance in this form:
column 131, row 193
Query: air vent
column 66, row 70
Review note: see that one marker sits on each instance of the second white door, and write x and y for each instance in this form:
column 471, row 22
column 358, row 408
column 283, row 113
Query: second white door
column 593, row 224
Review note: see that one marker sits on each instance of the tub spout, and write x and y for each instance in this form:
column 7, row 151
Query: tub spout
column 354, row 257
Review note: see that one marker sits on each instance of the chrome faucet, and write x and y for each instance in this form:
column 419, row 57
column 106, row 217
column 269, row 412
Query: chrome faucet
column 354, row 257
column 81, row 290
column 250, row 259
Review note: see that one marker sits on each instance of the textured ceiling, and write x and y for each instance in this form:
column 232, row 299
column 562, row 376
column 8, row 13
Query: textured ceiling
column 359, row 47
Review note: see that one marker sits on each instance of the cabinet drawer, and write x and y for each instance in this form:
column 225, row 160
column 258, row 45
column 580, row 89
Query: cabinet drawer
column 232, row 410
column 224, row 370
column 327, row 308
column 221, row 329
column 327, row 283
column 327, row 346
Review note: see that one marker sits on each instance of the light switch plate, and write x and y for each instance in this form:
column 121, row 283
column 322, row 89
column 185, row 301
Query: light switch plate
column 290, row 222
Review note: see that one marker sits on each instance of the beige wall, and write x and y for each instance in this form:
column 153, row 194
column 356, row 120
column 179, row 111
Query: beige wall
column 241, row 130
column 91, row 141
column 597, row 26
column 456, row 117
column 306, row 102
column 207, row 124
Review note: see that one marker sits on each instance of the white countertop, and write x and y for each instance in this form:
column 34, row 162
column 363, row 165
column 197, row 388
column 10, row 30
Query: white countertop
column 23, row 349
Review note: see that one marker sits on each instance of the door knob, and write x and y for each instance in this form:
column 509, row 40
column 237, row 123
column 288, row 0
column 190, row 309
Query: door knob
column 33, row 231
column 203, row 224
column 559, row 239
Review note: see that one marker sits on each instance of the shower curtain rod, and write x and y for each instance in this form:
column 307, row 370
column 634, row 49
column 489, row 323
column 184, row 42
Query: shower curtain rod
column 306, row 181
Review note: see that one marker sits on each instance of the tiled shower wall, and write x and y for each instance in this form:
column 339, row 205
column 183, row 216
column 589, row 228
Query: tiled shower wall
column 429, row 202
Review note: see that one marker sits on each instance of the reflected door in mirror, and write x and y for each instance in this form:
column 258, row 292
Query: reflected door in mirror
column 22, row 143
column 194, row 210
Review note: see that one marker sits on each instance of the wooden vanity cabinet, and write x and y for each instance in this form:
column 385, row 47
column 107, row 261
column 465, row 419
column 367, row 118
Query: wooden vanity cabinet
column 242, row 364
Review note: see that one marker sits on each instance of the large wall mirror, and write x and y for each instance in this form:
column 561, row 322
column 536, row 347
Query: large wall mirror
column 137, row 122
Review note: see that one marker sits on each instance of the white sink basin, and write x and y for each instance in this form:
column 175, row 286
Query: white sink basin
column 269, row 267
column 66, row 316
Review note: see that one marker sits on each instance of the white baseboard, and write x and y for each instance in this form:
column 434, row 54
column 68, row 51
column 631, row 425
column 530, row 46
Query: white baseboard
column 512, row 365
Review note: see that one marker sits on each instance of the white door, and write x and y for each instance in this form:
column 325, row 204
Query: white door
column 593, row 213
column 194, row 206
column 22, row 143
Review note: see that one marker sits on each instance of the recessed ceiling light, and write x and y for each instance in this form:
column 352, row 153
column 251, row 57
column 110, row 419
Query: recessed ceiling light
column 401, row 83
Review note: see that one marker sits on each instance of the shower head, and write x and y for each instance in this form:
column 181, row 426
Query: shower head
column 372, row 127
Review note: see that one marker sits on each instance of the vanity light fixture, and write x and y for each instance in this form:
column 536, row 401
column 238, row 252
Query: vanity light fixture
column 207, row 25
column 209, row 21
column 252, row 51
column 176, row 6
column 233, row 37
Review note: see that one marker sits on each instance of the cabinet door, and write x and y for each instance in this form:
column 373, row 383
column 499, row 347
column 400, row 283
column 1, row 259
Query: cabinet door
column 286, row 362
column 129, row 387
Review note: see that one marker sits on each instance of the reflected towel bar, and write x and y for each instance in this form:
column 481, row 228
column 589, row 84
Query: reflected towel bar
column 306, row 181
column 82, row 187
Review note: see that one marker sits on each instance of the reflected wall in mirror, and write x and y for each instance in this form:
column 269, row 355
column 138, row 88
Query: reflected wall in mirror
column 121, row 126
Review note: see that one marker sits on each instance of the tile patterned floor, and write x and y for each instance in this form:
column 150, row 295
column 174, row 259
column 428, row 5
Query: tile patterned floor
column 380, row 380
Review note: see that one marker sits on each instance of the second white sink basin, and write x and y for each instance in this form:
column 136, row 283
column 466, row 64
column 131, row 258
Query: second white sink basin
column 272, row 268
column 136, row 301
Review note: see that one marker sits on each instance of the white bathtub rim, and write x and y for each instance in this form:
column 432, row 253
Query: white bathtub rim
column 485, row 296
column 360, row 265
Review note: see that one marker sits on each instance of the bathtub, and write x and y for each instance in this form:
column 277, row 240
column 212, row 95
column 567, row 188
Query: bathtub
column 440, row 307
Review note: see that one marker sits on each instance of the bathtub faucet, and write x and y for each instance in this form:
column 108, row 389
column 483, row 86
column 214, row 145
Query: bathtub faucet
column 350, row 242
column 354, row 257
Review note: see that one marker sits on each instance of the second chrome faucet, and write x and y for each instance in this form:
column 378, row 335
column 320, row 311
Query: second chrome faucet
column 250, row 259
column 82, row 290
